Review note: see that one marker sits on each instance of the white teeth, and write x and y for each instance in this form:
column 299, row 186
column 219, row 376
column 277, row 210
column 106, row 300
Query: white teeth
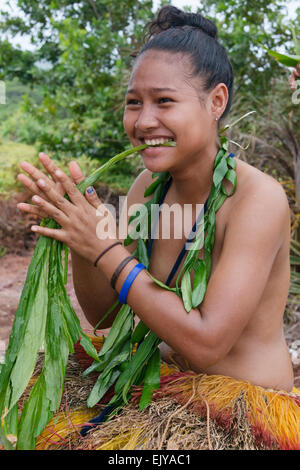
column 156, row 141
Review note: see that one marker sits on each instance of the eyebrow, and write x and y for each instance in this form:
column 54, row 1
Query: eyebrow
column 155, row 90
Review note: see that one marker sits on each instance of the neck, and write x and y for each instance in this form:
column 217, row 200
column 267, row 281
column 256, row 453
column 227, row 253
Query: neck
column 193, row 183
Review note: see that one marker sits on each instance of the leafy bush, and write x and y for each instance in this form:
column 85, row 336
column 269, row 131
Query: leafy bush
column 119, row 178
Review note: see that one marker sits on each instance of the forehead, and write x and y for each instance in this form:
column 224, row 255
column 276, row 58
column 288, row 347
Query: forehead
column 155, row 70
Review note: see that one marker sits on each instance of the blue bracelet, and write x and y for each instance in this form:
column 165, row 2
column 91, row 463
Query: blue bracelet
column 129, row 280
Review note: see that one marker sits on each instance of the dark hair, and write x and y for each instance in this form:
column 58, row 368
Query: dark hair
column 176, row 31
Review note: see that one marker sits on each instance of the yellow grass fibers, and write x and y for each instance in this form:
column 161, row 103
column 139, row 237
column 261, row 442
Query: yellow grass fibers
column 63, row 428
column 273, row 414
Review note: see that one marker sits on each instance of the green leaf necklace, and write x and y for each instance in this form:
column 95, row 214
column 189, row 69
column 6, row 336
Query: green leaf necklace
column 144, row 365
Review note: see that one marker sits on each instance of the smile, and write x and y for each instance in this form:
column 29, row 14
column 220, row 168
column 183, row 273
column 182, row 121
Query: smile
column 158, row 141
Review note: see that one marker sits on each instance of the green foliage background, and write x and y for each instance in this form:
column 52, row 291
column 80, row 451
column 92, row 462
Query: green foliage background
column 66, row 97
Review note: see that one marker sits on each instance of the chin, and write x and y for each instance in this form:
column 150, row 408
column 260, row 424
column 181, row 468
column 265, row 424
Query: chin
column 158, row 165
column 155, row 166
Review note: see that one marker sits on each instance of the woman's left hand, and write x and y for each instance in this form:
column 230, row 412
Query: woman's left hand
column 78, row 217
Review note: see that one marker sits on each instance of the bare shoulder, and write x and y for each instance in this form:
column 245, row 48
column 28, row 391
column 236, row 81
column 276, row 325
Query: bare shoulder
column 261, row 199
column 260, row 189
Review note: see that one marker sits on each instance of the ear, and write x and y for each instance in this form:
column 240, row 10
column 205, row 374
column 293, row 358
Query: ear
column 218, row 100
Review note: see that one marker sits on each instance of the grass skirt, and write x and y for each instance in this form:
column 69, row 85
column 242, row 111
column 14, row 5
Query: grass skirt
column 188, row 412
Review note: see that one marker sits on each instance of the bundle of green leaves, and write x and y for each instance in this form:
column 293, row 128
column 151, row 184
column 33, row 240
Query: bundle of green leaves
column 44, row 318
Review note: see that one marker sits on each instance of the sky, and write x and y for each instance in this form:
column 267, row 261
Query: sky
column 24, row 42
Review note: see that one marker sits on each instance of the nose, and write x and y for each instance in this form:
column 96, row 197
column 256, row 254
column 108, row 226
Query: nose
column 147, row 119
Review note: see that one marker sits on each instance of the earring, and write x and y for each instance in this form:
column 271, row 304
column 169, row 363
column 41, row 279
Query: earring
column 135, row 125
column 217, row 118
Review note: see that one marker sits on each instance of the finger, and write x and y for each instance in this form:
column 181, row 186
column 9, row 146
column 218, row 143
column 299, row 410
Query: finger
column 75, row 172
column 31, row 209
column 34, row 172
column 70, row 188
column 57, row 234
column 30, row 185
column 48, row 164
column 55, row 197
column 92, row 197
column 50, row 210
column 51, row 168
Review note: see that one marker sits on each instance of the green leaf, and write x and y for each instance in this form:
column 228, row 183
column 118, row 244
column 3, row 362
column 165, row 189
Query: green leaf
column 186, row 291
column 119, row 328
column 231, row 162
column 230, row 176
column 199, row 287
column 150, row 190
column 152, row 379
column 32, row 340
column 140, row 357
column 161, row 284
column 220, row 172
column 285, row 59
column 66, row 254
column 140, row 331
column 88, row 346
column 35, row 416
column 142, row 253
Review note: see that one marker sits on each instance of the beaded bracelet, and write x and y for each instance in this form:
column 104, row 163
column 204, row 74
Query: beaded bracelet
column 128, row 282
column 119, row 269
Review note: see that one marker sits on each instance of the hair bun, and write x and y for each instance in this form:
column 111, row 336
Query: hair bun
column 170, row 17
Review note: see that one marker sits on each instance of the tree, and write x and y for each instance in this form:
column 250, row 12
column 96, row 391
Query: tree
column 87, row 46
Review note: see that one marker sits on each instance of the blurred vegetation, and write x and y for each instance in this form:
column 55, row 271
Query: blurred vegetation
column 66, row 97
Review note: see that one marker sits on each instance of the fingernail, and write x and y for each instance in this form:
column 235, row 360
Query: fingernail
column 90, row 190
column 58, row 173
column 34, row 228
column 36, row 199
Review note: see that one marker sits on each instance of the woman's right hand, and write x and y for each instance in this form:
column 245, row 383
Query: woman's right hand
column 34, row 174
column 293, row 77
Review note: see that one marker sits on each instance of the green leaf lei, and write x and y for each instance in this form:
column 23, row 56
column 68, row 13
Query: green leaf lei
column 117, row 362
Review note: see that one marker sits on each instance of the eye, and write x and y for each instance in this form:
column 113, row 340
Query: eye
column 164, row 100
column 132, row 102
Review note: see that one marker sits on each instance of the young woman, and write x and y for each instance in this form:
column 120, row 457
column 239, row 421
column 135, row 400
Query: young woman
column 180, row 87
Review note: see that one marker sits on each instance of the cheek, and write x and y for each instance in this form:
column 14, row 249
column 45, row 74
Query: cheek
column 128, row 123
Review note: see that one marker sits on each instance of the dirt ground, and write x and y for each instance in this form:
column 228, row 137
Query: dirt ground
column 13, row 270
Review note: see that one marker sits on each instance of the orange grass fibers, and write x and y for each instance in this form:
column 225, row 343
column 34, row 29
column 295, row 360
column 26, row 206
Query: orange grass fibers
column 273, row 415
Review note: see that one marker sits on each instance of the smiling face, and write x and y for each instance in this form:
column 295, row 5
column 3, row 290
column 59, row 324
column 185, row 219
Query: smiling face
column 163, row 103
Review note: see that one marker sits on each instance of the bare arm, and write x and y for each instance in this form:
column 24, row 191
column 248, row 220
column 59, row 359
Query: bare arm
column 204, row 336
column 92, row 287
